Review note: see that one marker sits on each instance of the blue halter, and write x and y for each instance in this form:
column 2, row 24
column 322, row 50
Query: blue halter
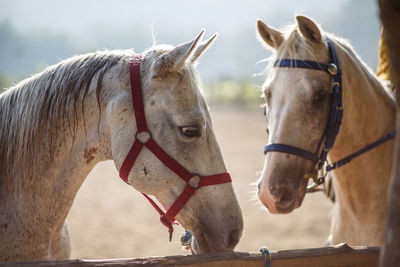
column 334, row 120
column 335, row 113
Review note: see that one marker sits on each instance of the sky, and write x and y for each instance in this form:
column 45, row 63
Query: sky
column 98, row 24
column 78, row 17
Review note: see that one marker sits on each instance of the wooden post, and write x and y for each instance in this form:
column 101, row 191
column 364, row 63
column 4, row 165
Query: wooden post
column 390, row 17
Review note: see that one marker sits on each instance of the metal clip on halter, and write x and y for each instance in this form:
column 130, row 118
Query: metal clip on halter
column 317, row 181
column 186, row 240
column 314, row 187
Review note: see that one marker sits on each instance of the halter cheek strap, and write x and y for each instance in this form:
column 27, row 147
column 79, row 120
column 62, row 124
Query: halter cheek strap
column 143, row 138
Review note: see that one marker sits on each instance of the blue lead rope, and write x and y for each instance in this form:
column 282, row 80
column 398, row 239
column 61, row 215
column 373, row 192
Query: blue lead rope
column 266, row 255
column 365, row 149
column 186, row 240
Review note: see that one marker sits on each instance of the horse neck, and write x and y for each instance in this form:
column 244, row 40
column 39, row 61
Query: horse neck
column 50, row 186
column 369, row 114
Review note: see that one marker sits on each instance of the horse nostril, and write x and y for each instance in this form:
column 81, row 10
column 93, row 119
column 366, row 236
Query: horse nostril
column 286, row 198
column 234, row 237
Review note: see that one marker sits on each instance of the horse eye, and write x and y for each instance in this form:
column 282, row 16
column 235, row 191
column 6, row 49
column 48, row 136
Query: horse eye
column 319, row 97
column 267, row 131
column 190, row 131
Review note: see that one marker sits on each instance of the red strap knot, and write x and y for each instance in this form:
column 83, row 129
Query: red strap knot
column 143, row 137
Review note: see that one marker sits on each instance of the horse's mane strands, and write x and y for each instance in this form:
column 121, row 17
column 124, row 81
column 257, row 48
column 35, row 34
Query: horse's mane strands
column 40, row 107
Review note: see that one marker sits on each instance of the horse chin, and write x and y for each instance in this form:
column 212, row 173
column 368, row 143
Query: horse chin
column 201, row 245
column 301, row 193
column 295, row 204
column 282, row 206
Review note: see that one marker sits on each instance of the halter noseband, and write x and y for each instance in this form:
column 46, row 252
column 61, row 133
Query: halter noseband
column 328, row 138
column 143, row 137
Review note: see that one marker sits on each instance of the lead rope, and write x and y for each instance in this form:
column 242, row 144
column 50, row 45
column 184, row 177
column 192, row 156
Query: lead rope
column 337, row 164
column 266, row 255
column 186, row 240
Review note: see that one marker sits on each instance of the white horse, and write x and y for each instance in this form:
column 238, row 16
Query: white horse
column 56, row 125
column 297, row 107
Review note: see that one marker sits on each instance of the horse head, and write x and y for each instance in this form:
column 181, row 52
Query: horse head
column 178, row 119
column 297, row 107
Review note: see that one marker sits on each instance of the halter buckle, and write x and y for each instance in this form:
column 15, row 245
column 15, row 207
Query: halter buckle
column 143, row 137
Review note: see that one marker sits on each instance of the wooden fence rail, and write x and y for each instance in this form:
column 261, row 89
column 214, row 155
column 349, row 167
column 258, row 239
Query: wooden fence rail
column 338, row 256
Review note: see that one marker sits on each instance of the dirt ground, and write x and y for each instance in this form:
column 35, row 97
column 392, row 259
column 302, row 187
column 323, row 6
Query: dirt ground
column 111, row 220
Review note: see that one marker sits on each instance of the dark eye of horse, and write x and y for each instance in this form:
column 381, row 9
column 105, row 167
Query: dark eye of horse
column 319, row 97
column 267, row 131
column 190, row 131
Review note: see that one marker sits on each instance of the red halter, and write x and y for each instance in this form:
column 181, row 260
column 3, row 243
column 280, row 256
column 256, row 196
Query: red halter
column 143, row 138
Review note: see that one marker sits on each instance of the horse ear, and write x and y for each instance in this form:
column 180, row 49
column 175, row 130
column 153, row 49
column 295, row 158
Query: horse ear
column 202, row 47
column 269, row 35
column 178, row 56
column 309, row 29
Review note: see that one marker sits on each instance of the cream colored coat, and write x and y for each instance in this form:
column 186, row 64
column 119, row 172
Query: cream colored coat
column 297, row 109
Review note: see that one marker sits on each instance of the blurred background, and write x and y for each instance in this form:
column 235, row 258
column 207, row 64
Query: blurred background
column 110, row 219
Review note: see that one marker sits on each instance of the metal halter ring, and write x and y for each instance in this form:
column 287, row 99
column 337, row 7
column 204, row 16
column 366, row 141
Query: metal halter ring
column 332, row 68
column 143, row 137
column 194, row 181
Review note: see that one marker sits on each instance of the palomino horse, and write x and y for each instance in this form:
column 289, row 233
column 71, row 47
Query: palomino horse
column 299, row 93
column 56, row 125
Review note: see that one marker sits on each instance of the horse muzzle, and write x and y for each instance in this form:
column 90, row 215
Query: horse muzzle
column 216, row 230
column 203, row 243
column 282, row 190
